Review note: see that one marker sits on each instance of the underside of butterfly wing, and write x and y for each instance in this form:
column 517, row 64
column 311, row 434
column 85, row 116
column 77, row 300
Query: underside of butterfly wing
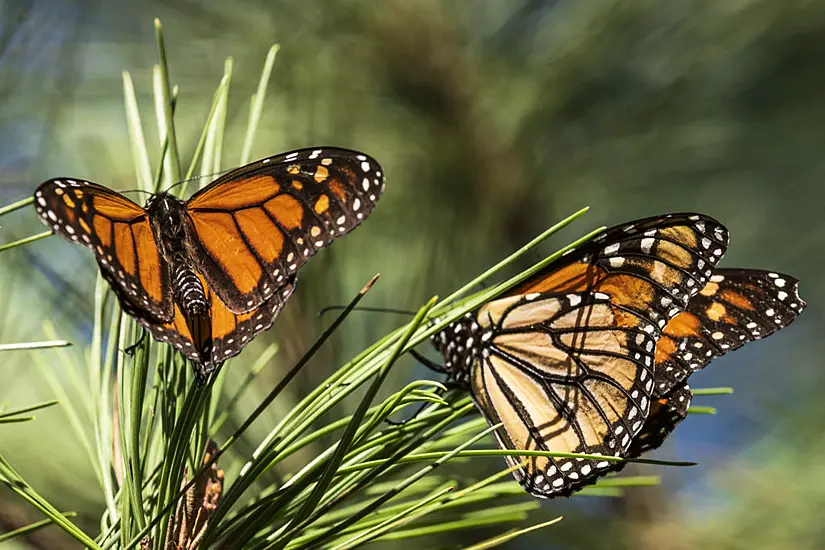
column 576, row 381
column 666, row 413
column 551, row 394
column 736, row 306
column 653, row 265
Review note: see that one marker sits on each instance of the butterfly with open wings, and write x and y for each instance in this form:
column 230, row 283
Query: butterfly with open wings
column 571, row 359
column 208, row 274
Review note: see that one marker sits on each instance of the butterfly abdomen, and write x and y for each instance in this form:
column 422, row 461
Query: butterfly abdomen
column 190, row 296
column 167, row 215
column 189, row 292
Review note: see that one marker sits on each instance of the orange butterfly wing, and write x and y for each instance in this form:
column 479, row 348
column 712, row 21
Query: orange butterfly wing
column 255, row 226
column 653, row 265
column 737, row 306
column 119, row 233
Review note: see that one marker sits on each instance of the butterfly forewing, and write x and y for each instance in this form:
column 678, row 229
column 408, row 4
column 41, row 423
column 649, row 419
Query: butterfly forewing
column 737, row 306
column 652, row 266
column 257, row 225
column 119, row 233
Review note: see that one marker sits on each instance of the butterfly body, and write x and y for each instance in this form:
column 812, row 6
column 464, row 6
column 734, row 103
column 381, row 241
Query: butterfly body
column 208, row 274
column 166, row 217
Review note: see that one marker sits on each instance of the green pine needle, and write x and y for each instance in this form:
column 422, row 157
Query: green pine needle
column 14, row 415
column 16, row 206
column 701, row 410
column 31, row 528
column 506, row 537
column 712, row 391
column 35, row 345
column 26, row 240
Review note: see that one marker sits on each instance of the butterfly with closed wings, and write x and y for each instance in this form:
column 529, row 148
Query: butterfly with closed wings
column 570, row 360
column 565, row 360
column 208, row 274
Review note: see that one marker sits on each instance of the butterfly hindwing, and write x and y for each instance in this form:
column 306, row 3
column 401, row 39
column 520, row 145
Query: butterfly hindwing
column 231, row 332
column 735, row 307
column 227, row 334
column 565, row 373
column 666, row 413
column 255, row 226
column 119, row 233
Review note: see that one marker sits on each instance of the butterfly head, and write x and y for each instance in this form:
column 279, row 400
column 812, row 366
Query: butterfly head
column 460, row 345
column 167, row 214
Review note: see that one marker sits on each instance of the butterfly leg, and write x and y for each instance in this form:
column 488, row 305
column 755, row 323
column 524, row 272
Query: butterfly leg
column 449, row 385
column 427, row 362
column 130, row 351
column 203, row 371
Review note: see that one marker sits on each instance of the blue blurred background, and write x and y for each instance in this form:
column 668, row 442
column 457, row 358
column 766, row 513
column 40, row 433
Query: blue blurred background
column 493, row 120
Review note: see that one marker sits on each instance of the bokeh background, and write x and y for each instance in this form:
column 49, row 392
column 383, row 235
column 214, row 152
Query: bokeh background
column 493, row 120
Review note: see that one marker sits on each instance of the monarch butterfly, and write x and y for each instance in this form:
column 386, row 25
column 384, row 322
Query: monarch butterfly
column 559, row 360
column 565, row 361
column 737, row 306
column 208, row 274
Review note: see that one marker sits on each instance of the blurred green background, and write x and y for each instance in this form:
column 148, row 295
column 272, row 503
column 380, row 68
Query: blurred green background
column 492, row 120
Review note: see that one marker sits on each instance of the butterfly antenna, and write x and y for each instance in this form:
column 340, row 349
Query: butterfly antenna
column 415, row 415
column 365, row 308
column 196, row 178
column 429, row 363
column 135, row 191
